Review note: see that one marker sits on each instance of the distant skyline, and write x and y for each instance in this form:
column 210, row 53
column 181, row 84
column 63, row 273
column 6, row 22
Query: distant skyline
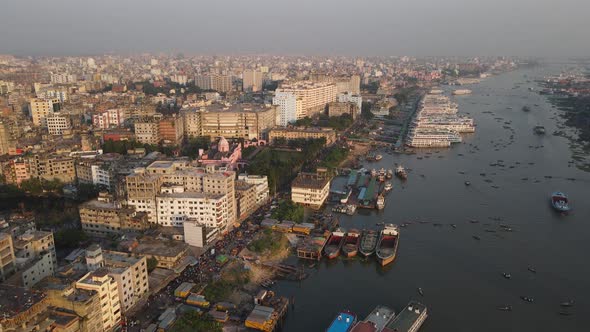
column 307, row 27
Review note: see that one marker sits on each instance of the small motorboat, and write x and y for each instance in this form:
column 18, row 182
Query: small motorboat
column 476, row 237
column 507, row 275
column 569, row 303
column 527, row 299
column 453, row 225
column 532, row 269
column 505, row 308
column 467, row 183
column 420, row 291
column 559, row 201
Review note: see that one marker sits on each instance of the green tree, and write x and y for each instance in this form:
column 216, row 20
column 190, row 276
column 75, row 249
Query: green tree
column 191, row 146
column 70, row 238
column 288, row 210
column 192, row 321
column 305, row 122
column 366, row 110
column 152, row 263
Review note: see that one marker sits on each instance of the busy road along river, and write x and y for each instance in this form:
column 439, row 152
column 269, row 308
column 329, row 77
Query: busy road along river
column 461, row 276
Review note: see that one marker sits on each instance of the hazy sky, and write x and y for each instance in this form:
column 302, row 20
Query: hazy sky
column 360, row 27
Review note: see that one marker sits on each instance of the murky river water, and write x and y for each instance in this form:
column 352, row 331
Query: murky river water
column 462, row 277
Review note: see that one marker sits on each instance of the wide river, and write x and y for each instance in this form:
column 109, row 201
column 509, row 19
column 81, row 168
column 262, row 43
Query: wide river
column 461, row 276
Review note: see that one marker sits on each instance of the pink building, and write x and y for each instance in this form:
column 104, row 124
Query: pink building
column 222, row 153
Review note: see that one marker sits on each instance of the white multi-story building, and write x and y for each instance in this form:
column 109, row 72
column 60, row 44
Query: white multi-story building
column 57, row 78
column 175, row 206
column 261, row 183
column 197, row 234
column 130, row 273
column 180, row 79
column 57, row 123
column 106, row 286
column 290, row 108
column 310, row 189
column 59, row 94
column 350, row 98
column 163, row 178
column 314, row 96
column 109, row 118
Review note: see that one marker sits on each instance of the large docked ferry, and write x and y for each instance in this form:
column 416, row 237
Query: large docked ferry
column 436, row 123
column 388, row 243
column 408, row 320
column 430, row 138
column 335, row 242
column 560, row 202
column 343, row 322
column 351, row 243
column 368, row 242
column 455, row 123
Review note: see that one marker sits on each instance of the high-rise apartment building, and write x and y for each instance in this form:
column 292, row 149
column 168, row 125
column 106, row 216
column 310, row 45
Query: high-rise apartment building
column 5, row 137
column 106, row 286
column 289, row 108
column 169, row 190
column 50, row 167
column 171, row 130
column 57, row 123
column 314, row 96
column 57, row 78
column 104, row 216
column 130, row 274
column 252, row 80
column 220, row 83
column 247, row 121
column 261, row 183
column 41, row 108
column 147, row 131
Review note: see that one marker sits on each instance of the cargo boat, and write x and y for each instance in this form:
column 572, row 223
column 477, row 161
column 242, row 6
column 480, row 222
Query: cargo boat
column 400, row 172
column 343, row 322
column 351, row 243
column 460, row 92
column 376, row 320
column 388, row 243
column 368, row 242
column 380, row 202
column 335, row 242
column 560, row 202
column 388, row 186
column 408, row 320
column 381, row 176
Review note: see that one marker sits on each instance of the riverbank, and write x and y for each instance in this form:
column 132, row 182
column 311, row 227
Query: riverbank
column 356, row 151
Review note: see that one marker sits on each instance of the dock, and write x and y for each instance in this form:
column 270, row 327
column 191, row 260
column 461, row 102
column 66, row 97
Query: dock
column 311, row 247
column 269, row 316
